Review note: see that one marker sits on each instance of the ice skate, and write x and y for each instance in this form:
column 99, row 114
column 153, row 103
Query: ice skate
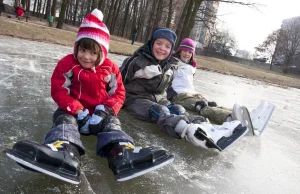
column 206, row 135
column 257, row 120
column 128, row 162
column 59, row 160
column 241, row 114
column 261, row 116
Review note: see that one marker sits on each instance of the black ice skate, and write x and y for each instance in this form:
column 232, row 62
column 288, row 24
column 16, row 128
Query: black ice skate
column 59, row 160
column 128, row 162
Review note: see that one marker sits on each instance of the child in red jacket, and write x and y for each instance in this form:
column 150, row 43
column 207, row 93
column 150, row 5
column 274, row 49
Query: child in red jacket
column 19, row 11
column 88, row 89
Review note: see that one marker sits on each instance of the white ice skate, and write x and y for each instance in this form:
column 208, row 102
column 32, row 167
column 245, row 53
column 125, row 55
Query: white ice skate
column 206, row 135
column 257, row 120
column 260, row 116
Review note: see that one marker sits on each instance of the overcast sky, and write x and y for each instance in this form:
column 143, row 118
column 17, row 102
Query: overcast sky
column 250, row 27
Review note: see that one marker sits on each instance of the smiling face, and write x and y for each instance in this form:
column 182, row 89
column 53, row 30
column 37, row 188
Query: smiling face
column 185, row 56
column 87, row 58
column 161, row 48
column 88, row 53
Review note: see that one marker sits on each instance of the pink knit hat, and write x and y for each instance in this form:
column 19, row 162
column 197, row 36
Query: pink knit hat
column 187, row 44
column 92, row 27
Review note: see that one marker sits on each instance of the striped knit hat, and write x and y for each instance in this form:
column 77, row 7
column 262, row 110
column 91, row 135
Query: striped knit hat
column 92, row 27
column 187, row 44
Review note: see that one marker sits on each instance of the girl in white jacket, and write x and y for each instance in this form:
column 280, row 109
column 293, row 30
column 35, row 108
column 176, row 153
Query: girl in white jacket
column 182, row 90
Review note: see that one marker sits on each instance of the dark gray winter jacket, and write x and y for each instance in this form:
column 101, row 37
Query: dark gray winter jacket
column 145, row 77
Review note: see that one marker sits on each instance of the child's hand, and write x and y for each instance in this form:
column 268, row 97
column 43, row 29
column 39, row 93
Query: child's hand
column 97, row 118
column 212, row 104
column 83, row 120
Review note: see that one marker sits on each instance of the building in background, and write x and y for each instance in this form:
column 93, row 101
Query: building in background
column 200, row 32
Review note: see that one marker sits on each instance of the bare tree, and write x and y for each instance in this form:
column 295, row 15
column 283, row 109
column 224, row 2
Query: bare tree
column 53, row 9
column 267, row 48
column 288, row 43
column 126, row 16
column 48, row 9
column 170, row 14
column 224, row 43
column 62, row 14
column 75, row 12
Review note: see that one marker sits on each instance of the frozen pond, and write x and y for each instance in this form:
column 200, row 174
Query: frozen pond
column 266, row 164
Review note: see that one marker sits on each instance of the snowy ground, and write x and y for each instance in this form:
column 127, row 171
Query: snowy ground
column 266, row 164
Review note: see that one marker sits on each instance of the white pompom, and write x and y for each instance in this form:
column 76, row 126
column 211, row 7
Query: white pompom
column 98, row 14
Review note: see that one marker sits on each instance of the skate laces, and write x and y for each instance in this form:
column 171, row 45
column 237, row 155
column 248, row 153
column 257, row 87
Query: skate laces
column 57, row 144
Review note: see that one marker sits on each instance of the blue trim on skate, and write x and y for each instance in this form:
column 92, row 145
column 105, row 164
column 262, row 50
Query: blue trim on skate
column 105, row 138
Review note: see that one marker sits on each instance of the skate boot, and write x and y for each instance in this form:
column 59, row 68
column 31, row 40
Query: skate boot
column 241, row 114
column 127, row 161
column 206, row 135
column 59, row 160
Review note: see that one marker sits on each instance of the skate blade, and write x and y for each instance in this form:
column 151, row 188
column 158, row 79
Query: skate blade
column 169, row 160
column 31, row 166
column 261, row 116
column 248, row 121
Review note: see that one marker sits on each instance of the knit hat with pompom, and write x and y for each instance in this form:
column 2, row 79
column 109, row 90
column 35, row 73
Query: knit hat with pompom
column 92, row 27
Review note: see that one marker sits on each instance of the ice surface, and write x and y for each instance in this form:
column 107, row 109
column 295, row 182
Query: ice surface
column 268, row 164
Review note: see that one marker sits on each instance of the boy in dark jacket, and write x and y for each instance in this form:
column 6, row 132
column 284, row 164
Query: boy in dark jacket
column 147, row 75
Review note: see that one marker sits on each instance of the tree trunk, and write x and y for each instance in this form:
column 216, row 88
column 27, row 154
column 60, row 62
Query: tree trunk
column 69, row 12
column 48, row 9
column 94, row 4
column 110, row 13
column 134, row 16
column 81, row 16
column 179, row 28
column 88, row 7
column 100, row 4
column 125, row 17
column 43, row 12
column 113, row 25
column 34, row 8
column 39, row 7
column 190, row 23
column 62, row 14
column 53, row 9
column 112, row 16
column 170, row 14
column 151, row 18
column 28, row 6
column 23, row 2
column 158, row 14
column 75, row 12
column 141, row 20
column 185, row 22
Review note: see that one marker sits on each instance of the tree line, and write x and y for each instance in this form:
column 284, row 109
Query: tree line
column 122, row 17
column 283, row 45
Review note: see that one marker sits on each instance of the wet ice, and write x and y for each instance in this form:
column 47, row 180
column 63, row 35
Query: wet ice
column 268, row 164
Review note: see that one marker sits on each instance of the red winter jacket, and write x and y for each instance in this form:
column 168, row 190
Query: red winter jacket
column 74, row 88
